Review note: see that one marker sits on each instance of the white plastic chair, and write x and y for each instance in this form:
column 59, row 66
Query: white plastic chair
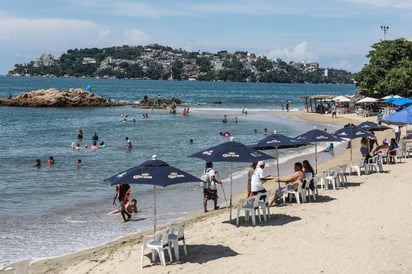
column 20, row 267
column 330, row 176
column 375, row 164
column 250, row 206
column 177, row 232
column 307, row 192
column 264, row 205
column 157, row 243
column 393, row 159
column 289, row 192
column 358, row 168
column 341, row 173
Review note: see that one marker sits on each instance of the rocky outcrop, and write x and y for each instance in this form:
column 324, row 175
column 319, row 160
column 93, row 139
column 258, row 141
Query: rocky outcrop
column 74, row 97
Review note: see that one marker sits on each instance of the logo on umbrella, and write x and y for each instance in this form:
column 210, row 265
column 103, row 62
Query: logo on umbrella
column 143, row 176
column 231, row 155
column 320, row 137
column 174, row 175
column 208, row 152
column 273, row 141
column 121, row 174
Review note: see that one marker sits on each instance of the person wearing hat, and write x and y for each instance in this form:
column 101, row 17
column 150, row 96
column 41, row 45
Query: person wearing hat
column 258, row 179
column 210, row 192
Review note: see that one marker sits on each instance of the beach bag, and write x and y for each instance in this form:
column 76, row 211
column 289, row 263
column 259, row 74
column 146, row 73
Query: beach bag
column 205, row 179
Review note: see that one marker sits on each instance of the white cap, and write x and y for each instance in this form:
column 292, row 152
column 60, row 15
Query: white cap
column 261, row 163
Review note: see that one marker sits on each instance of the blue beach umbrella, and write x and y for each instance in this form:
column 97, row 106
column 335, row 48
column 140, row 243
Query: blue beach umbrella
column 352, row 132
column 401, row 102
column 371, row 126
column 278, row 141
column 153, row 172
column 315, row 136
column 233, row 152
column 401, row 117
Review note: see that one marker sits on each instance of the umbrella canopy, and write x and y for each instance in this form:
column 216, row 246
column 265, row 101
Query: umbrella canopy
column 371, row 126
column 231, row 151
column 401, row 117
column 391, row 97
column 367, row 100
column 278, row 141
column 401, row 102
column 341, row 98
column 153, row 172
column 314, row 136
column 352, row 132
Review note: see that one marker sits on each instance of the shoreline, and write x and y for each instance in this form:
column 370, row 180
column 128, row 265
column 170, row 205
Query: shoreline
column 97, row 259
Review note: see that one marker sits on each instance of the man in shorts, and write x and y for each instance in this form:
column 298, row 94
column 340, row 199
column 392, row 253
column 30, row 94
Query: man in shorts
column 210, row 193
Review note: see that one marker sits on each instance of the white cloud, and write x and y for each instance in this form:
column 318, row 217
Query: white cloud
column 298, row 53
column 398, row 4
column 48, row 33
column 135, row 37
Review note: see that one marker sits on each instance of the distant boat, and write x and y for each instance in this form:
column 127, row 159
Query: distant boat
column 217, row 102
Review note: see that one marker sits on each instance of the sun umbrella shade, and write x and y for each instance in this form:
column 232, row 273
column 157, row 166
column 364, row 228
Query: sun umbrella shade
column 400, row 101
column 367, row 100
column 231, row 151
column 352, row 133
column 152, row 172
column 315, row 136
column 341, row 99
column 277, row 141
column 400, row 117
column 371, row 126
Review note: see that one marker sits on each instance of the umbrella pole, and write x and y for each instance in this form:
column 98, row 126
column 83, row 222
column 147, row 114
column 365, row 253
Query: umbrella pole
column 230, row 201
column 316, row 158
column 277, row 164
column 154, row 198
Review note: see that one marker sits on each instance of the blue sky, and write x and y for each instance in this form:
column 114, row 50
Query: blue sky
column 335, row 33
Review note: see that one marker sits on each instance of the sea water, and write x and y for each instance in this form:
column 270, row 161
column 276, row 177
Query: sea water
column 54, row 210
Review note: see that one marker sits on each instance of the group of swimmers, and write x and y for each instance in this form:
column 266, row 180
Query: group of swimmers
column 51, row 162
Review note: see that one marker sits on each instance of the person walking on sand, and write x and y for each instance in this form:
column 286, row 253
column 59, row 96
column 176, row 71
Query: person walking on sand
column 333, row 110
column 210, row 192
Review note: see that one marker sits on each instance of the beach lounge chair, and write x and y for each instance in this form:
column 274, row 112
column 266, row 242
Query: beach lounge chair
column 20, row 267
column 157, row 243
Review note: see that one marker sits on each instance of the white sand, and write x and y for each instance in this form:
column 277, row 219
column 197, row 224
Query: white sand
column 364, row 228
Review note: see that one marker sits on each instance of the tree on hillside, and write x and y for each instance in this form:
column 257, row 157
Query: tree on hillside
column 389, row 70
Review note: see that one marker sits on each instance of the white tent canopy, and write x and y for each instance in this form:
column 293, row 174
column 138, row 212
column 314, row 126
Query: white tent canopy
column 391, row 96
column 341, row 98
column 367, row 100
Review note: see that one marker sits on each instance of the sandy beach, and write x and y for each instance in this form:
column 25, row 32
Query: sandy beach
column 362, row 228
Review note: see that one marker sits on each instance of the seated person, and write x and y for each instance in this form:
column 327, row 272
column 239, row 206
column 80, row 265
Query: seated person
column 381, row 148
column 393, row 147
column 292, row 182
column 129, row 208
